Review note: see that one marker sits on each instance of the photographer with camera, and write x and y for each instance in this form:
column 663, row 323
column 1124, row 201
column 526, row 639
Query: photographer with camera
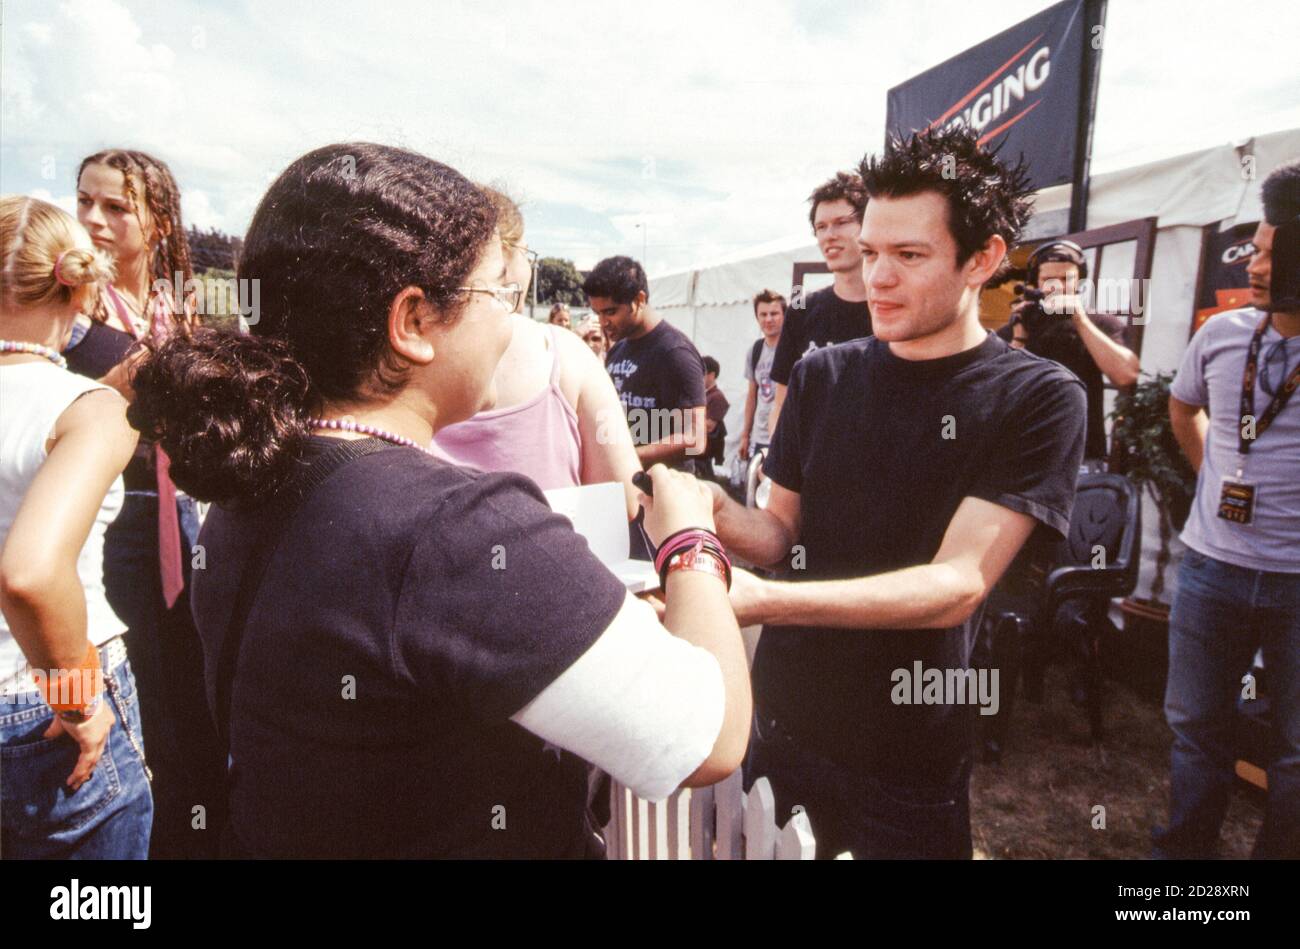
column 1048, row 320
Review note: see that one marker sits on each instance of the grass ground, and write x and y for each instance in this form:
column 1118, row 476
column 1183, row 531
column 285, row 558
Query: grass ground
column 1039, row 801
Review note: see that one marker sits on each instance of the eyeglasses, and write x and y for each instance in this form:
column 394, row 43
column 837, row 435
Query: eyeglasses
column 1276, row 355
column 839, row 224
column 508, row 296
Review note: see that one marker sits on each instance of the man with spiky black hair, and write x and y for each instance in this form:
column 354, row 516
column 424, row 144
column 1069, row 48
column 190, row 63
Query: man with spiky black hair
column 1239, row 580
column 907, row 471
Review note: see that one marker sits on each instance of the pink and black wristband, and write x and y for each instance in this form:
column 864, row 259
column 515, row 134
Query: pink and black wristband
column 683, row 539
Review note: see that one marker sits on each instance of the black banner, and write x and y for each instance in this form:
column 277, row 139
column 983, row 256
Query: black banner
column 1020, row 90
column 1224, row 284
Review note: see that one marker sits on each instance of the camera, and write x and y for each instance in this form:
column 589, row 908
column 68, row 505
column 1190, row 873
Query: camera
column 1033, row 317
column 1036, row 318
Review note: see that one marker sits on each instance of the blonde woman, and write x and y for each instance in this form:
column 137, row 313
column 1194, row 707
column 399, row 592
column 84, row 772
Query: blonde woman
column 73, row 781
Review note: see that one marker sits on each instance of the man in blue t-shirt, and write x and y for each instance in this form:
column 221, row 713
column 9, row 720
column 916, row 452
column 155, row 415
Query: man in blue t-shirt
column 907, row 470
column 656, row 368
column 769, row 313
column 1239, row 582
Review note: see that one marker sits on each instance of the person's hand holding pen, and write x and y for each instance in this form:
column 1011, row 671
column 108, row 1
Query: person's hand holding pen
column 673, row 501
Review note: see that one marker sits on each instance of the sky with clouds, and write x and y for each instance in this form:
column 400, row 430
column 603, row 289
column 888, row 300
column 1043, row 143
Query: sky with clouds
column 692, row 129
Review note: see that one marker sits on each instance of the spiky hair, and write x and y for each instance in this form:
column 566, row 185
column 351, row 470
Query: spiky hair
column 985, row 196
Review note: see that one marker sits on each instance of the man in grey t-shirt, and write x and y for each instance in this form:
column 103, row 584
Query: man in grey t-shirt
column 1239, row 582
column 769, row 312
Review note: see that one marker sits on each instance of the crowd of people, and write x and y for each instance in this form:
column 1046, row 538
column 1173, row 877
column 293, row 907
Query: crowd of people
column 380, row 598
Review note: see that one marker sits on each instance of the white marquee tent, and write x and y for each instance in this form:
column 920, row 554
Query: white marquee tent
column 1186, row 193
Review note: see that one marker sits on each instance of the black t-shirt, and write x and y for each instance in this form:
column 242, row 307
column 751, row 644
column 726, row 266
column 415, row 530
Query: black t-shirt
column 98, row 351
column 1061, row 343
column 824, row 321
column 863, row 441
column 442, row 600
column 659, row 372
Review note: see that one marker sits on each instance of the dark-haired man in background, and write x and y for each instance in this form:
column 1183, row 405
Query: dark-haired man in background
column 839, row 312
column 907, row 471
column 1239, row 581
column 655, row 366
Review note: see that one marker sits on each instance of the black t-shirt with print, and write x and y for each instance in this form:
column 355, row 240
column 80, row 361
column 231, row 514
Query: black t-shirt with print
column 410, row 608
column 882, row 451
column 1060, row 342
column 824, row 321
column 659, row 372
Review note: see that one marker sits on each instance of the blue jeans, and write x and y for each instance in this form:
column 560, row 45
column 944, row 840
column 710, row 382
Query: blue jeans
column 188, row 766
column 108, row 817
column 869, row 817
column 1221, row 615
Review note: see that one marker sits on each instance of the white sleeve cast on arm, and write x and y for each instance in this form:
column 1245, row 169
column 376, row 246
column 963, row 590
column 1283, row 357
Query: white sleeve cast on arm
column 640, row 704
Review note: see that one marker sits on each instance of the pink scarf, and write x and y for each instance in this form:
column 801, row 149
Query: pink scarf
column 169, row 529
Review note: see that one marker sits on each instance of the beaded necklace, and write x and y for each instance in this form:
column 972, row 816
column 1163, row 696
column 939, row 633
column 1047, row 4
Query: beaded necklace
column 341, row 425
column 34, row 349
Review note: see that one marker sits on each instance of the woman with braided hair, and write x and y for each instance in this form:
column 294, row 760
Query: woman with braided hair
column 130, row 204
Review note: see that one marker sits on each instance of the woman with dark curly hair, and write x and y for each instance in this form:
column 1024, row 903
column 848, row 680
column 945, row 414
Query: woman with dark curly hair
column 408, row 658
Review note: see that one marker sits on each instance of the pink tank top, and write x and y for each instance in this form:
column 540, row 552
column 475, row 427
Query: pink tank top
column 538, row 438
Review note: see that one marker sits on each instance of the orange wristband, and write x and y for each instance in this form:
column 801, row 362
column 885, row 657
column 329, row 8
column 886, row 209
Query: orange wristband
column 697, row 558
column 75, row 689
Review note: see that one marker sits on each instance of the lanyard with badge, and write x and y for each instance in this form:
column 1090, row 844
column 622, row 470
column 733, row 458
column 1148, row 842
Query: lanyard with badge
column 1238, row 496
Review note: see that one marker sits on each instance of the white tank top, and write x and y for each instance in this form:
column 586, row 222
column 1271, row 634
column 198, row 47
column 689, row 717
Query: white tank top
column 32, row 397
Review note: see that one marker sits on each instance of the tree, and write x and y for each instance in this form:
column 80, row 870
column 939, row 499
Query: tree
column 213, row 250
column 1149, row 455
column 558, row 281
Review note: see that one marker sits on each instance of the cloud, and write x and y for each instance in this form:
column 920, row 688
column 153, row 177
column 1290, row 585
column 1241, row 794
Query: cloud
column 68, row 201
column 709, row 121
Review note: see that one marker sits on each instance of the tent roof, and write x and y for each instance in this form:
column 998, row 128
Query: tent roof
column 1196, row 188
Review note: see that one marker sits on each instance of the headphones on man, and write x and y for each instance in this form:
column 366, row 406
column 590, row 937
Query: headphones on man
column 1060, row 250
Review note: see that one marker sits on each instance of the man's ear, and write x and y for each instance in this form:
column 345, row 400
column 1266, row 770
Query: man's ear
column 984, row 263
column 410, row 326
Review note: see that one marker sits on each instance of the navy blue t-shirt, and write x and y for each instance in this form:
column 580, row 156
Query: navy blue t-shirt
column 882, row 450
column 824, row 320
column 410, row 608
column 660, row 379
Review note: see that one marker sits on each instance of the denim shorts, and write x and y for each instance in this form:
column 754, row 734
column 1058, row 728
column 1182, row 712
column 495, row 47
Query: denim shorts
column 108, row 817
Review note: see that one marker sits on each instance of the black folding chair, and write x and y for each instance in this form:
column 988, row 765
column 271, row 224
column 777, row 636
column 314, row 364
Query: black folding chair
column 1071, row 585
